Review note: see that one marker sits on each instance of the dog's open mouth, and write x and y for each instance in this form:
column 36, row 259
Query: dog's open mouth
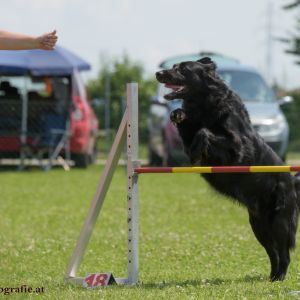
column 175, row 88
column 177, row 91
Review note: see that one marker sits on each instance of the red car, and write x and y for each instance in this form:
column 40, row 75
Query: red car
column 84, row 126
column 43, row 114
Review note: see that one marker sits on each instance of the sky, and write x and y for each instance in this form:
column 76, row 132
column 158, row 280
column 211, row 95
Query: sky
column 151, row 31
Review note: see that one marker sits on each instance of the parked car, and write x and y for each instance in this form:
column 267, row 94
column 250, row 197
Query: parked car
column 165, row 147
column 36, row 112
column 84, row 126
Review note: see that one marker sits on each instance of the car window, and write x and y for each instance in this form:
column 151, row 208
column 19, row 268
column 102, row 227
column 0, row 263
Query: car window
column 11, row 85
column 249, row 86
column 41, row 85
column 78, row 86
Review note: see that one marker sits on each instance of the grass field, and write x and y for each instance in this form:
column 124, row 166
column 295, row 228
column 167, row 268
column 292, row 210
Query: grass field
column 194, row 244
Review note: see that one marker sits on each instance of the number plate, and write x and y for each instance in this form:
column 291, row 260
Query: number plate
column 98, row 279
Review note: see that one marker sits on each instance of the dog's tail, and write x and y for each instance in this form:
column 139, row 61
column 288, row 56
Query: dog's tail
column 297, row 187
column 294, row 219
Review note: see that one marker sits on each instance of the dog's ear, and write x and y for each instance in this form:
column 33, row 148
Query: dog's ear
column 208, row 64
column 205, row 60
column 208, row 73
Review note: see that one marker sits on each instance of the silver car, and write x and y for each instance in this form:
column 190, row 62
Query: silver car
column 264, row 109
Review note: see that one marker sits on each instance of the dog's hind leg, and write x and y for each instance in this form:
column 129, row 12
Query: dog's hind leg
column 280, row 234
column 261, row 229
column 284, row 228
column 284, row 221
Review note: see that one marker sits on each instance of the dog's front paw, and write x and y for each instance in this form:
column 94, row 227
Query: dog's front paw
column 177, row 116
column 200, row 147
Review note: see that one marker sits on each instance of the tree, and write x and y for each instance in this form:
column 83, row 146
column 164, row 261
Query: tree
column 292, row 111
column 292, row 5
column 294, row 41
column 121, row 72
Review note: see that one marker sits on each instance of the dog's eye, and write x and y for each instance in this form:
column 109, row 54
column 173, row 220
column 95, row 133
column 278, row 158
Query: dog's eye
column 183, row 70
column 175, row 67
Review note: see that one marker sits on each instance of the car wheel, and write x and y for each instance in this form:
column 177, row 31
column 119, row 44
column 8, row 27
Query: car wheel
column 173, row 161
column 154, row 158
column 81, row 160
column 93, row 155
column 169, row 159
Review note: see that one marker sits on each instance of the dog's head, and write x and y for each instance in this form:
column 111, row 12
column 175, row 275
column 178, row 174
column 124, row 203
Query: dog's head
column 188, row 78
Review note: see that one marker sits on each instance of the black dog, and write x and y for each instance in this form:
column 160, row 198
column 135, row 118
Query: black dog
column 216, row 131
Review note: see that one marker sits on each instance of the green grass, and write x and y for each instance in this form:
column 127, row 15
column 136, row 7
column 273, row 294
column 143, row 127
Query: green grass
column 293, row 156
column 194, row 244
column 104, row 146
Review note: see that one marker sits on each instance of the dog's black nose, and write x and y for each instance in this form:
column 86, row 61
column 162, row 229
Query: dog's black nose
column 159, row 74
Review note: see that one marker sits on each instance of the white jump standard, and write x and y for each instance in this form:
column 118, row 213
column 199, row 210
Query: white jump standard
column 128, row 130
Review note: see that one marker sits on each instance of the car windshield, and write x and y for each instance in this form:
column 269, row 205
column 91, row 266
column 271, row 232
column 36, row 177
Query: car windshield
column 248, row 85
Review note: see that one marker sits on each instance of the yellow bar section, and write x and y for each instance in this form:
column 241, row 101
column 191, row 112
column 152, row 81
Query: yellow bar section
column 270, row 169
column 192, row 170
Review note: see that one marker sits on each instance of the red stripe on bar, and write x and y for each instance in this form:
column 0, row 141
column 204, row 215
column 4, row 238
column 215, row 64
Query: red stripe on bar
column 295, row 168
column 219, row 169
column 231, row 169
column 153, row 170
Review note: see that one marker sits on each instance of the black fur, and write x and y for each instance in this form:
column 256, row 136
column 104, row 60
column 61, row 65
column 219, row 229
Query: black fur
column 216, row 131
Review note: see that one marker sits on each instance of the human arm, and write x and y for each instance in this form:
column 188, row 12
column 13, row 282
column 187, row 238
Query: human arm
column 17, row 41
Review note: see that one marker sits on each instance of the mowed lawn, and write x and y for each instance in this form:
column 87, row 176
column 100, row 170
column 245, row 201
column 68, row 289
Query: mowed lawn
column 194, row 243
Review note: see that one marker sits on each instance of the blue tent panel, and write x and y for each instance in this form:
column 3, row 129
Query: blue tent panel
column 39, row 62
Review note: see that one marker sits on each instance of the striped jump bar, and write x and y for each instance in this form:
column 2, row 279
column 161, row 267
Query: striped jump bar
column 220, row 169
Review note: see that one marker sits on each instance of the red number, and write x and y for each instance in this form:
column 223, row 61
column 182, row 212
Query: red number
column 94, row 280
column 89, row 280
column 100, row 279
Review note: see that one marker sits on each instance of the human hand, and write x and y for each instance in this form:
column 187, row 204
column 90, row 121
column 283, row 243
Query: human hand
column 47, row 41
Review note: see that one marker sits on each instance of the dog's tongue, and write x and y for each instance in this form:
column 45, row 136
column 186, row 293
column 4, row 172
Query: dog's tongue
column 173, row 86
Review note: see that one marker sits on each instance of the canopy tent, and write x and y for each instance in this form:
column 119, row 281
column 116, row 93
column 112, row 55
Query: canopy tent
column 31, row 122
column 40, row 62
